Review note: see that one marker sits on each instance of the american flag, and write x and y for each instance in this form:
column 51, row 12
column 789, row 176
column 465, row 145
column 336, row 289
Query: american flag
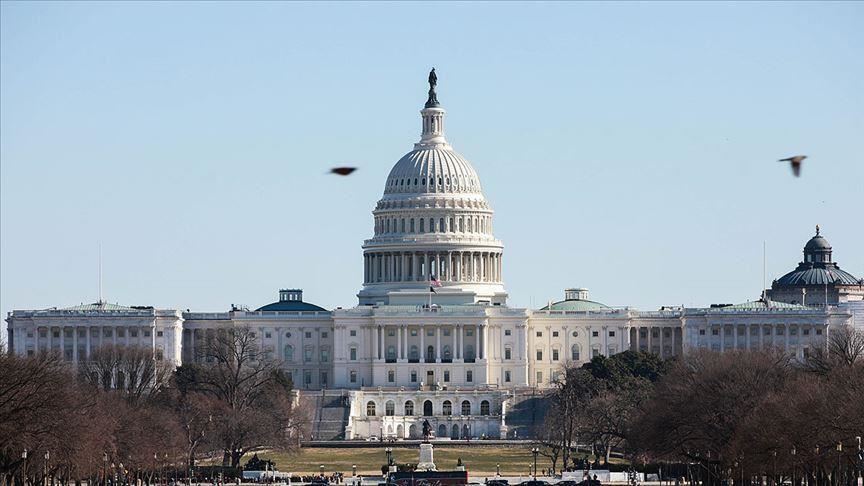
column 433, row 282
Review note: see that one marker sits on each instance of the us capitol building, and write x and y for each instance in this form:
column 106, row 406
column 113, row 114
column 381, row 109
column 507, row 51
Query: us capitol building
column 459, row 357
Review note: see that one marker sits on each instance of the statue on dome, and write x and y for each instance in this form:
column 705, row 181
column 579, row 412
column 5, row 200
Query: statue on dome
column 433, row 97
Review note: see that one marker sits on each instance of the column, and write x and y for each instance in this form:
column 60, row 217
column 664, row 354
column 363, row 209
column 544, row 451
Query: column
column 661, row 341
column 438, row 344
column 75, row 344
column 450, row 266
column 735, row 336
column 89, row 343
column 374, row 343
column 747, row 330
column 459, row 341
column 63, row 342
column 786, row 336
column 477, row 348
column 404, row 267
column 398, row 342
column 473, row 267
column 422, row 353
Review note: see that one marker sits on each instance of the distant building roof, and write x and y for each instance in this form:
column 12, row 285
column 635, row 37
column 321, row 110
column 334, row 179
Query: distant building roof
column 576, row 299
column 290, row 300
column 104, row 306
column 763, row 304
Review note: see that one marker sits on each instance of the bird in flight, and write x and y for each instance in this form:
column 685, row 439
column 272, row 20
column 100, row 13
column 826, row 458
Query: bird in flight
column 343, row 171
column 795, row 163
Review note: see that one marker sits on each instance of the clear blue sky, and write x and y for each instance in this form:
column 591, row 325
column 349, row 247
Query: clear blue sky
column 628, row 148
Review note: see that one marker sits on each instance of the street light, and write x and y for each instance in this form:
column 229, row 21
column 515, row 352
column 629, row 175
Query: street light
column 45, row 476
column 839, row 453
column 535, row 451
column 354, row 470
column 497, row 469
column 793, row 465
column 24, row 471
column 105, row 468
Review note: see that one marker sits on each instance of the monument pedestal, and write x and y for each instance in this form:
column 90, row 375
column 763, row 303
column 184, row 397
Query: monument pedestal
column 426, row 462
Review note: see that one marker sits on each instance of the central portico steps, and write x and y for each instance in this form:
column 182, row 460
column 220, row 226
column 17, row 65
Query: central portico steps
column 329, row 413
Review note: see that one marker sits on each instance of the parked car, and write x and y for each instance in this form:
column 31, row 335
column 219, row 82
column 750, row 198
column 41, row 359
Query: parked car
column 371, row 438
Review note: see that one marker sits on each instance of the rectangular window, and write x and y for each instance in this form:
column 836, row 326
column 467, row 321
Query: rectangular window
column 469, row 332
column 413, row 332
column 446, row 376
column 596, row 334
column 352, row 377
column 701, row 332
column 81, row 333
column 353, row 333
column 353, row 354
column 469, row 376
column 107, row 333
column 727, row 331
column 506, row 332
column 596, row 352
column 158, row 333
column 308, row 335
column 780, row 331
column 147, row 333
column 56, row 334
column 413, row 377
column 324, row 334
column 818, row 332
column 554, row 333
column 120, row 333
column 539, row 333
column 715, row 332
column 539, row 355
column 767, row 331
column 446, row 332
column 539, row 377
column 307, row 355
column 391, row 376
column 325, row 355
column 507, row 353
column 267, row 335
column 507, row 376
column 554, row 355
column 430, row 332
column 323, row 378
column 793, row 331
column 307, row 377
column 391, row 332
column 611, row 333
column 43, row 333
column 806, row 332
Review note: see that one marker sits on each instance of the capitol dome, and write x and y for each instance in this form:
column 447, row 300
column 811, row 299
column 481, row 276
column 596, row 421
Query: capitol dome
column 433, row 227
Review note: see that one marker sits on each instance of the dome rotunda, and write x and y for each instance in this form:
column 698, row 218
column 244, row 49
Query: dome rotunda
column 433, row 227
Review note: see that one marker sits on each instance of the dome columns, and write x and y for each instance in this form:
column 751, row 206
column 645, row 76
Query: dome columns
column 450, row 266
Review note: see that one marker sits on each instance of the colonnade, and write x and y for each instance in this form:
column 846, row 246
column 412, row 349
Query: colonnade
column 451, row 266
column 76, row 343
column 457, row 339
column 754, row 336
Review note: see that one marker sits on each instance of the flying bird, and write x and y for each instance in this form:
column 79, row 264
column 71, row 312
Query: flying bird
column 795, row 163
column 343, row 171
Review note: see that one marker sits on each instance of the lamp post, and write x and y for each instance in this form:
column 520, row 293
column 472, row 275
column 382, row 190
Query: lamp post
column 839, row 455
column 774, row 467
column 793, row 465
column 105, row 468
column 45, row 476
column 535, row 451
column 860, row 461
column 497, row 469
column 24, row 471
column 354, row 470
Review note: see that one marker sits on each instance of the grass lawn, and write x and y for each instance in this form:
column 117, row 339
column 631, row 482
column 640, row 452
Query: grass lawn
column 479, row 460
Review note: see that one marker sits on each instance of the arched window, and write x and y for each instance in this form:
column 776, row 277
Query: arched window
column 461, row 225
column 288, row 353
column 390, row 408
column 409, row 408
column 422, row 225
column 430, row 352
column 508, row 352
column 447, row 408
column 441, row 225
column 387, row 226
column 412, row 225
column 431, row 225
column 466, row 407
column 413, row 354
column 370, row 409
column 403, row 225
column 574, row 352
column 484, row 407
column 427, row 408
column 470, row 225
column 452, row 227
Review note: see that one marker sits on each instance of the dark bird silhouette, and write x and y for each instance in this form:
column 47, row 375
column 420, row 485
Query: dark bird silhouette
column 343, row 171
column 795, row 163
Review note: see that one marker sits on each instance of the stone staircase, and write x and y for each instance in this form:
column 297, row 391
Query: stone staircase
column 329, row 413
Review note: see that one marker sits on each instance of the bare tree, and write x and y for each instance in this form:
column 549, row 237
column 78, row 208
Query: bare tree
column 845, row 347
column 134, row 372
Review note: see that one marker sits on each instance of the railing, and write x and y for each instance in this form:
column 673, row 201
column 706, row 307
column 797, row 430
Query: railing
column 430, row 360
